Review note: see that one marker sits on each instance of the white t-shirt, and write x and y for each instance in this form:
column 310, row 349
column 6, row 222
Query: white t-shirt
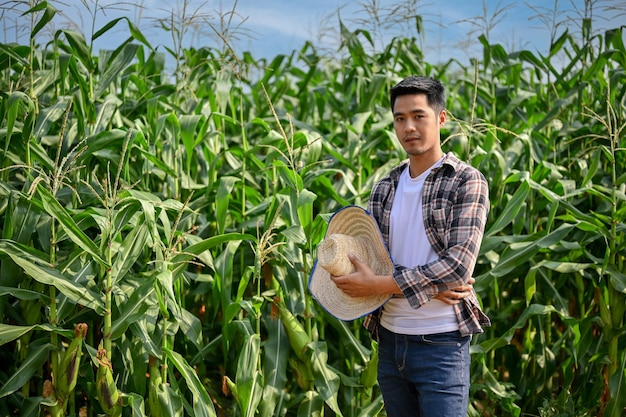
column 410, row 247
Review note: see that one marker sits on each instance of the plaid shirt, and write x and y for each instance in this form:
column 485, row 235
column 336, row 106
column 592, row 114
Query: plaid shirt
column 455, row 204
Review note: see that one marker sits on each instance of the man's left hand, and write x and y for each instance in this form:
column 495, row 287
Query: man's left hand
column 455, row 296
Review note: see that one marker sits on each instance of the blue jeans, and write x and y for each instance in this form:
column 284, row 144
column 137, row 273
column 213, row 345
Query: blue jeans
column 424, row 376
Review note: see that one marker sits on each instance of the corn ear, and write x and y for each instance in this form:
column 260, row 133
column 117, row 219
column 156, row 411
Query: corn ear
column 298, row 337
column 108, row 396
column 302, row 372
column 229, row 388
column 155, row 386
column 65, row 381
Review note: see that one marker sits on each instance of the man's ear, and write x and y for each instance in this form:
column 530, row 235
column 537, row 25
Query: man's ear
column 443, row 116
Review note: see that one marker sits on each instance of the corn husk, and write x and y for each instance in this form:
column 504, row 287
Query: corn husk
column 108, row 396
column 67, row 374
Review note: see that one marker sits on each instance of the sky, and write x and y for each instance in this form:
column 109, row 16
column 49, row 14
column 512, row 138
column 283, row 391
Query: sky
column 268, row 28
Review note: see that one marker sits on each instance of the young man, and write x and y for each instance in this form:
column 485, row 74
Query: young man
column 431, row 211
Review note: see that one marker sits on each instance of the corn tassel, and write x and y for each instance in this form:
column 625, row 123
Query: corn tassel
column 108, row 395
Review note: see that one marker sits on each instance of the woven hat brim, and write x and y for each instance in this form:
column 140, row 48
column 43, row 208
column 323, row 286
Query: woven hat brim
column 353, row 221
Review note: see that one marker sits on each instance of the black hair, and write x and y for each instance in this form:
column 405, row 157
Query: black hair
column 432, row 88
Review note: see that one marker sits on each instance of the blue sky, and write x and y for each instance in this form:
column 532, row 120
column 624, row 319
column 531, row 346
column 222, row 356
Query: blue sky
column 449, row 27
column 271, row 27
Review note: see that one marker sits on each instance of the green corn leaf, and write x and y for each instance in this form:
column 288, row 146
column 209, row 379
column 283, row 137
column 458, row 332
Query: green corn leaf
column 224, row 273
column 106, row 112
column 349, row 340
column 372, row 92
column 106, row 140
column 271, row 399
column 135, row 32
column 119, row 60
column 528, row 312
column 70, row 289
column 188, row 128
column 83, row 277
column 557, row 45
column 167, row 401
column 295, row 234
column 133, row 308
column 136, row 404
column 326, row 378
column 368, row 376
column 249, row 379
column 306, row 198
column 23, row 251
column 15, row 102
column 373, row 409
column 275, row 362
column 130, row 250
column 122, row 217
column 530, row 285
column 565, row 201
column 79, row 47
column 142, row 332
column 48, row 14
column 516, row 255
column 16, row 53
column 593, row 169
column 189, row 324
column 24, row 219
column 511, row 210
column 24, row 294
column 10, row 332
column 617, row 387
column 516, row 103
column 31, row 365
column 106, row 27
column 68, row 224
column 311, row 406
column 617, row 279
column 202, row 403
column 222, row 200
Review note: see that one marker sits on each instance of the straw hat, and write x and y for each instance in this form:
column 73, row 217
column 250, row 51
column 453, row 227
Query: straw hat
column 350, row 230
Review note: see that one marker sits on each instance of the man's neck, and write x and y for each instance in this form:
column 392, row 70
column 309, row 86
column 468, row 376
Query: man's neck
column 418, row 164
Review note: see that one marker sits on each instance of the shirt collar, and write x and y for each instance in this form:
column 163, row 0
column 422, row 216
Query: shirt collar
column 449, row 159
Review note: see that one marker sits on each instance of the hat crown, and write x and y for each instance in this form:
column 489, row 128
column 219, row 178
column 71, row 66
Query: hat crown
column 333, row 251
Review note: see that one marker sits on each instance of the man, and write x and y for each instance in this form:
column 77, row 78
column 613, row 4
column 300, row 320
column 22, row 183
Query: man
column 431, row 211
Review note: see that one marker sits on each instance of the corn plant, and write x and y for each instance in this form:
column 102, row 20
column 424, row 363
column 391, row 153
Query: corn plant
column 158, row 233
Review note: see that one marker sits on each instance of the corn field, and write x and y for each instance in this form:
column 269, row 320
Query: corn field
column 158, row 230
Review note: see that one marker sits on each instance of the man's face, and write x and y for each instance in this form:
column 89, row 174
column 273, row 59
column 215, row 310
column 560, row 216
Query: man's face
column 416, row 124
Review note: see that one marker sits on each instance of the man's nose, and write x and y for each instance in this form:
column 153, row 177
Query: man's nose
column 409, row 126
